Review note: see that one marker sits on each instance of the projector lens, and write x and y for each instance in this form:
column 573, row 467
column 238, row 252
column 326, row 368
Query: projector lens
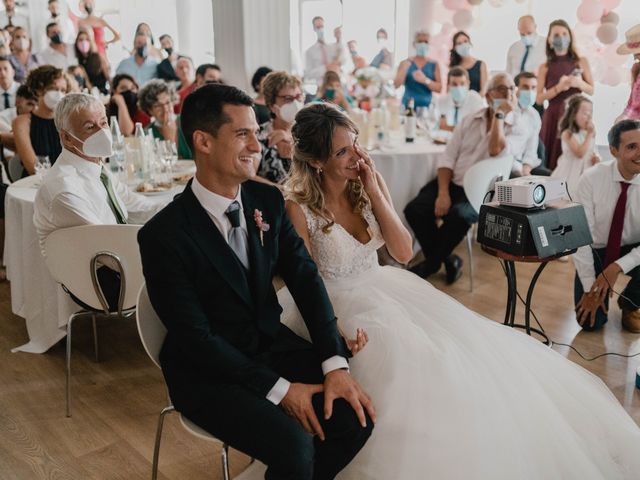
column 538, row 194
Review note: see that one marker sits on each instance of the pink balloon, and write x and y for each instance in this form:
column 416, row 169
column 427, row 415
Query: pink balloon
column 610, row 4
column 611, row 56
column 455, row 4
column 590, row 11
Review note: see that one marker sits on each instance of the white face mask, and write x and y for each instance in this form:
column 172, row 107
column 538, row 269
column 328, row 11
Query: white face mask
column 98, row 144
column 52, row 98
column 288, row 110
column 21, row 44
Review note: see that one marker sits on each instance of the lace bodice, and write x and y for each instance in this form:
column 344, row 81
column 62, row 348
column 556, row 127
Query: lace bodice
column 337, row 253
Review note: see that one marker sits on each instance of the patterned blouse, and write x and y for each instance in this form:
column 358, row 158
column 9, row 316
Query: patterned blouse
column 633, row 106
column 272, row 166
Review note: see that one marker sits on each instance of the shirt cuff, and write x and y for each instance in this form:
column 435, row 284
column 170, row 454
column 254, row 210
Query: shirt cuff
column 627, row 263
column 334, row 363
column 278, row 391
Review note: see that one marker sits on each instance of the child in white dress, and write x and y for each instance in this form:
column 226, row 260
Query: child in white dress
column 578, row 141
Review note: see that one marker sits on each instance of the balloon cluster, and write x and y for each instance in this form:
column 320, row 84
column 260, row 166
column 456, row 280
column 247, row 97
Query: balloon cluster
column 596, row 19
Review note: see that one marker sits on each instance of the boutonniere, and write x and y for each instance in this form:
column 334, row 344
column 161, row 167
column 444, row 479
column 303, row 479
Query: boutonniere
column 261, row 224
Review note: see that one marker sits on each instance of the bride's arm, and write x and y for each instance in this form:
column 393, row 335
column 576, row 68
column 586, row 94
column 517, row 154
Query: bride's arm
column 396, row 236
column 299, row 222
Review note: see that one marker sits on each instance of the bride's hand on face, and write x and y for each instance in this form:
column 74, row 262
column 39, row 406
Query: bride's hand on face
column 357, row 344
column 367, row 172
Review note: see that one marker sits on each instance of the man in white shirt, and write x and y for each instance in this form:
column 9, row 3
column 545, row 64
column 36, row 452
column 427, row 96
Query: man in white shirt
column 319, row 57
column 231, row 366
column 8, row 86
column 490, row 132
column 18, row 17
column 76, row 191
column 610, row 194
column 338, row 53
column 26, row 101
column 59, row 54
column 459, row 101
column 528, row 53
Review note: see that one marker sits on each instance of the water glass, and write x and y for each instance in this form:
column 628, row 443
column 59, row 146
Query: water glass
column 170, row 154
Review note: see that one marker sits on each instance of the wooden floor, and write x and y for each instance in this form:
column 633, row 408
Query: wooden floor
column 117, row 401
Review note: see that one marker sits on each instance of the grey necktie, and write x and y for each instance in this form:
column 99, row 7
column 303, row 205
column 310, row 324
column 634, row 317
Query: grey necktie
column 238, row 236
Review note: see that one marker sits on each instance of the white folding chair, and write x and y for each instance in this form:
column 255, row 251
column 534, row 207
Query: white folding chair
column 152, row 333
column 73, row 256
column 477, row 182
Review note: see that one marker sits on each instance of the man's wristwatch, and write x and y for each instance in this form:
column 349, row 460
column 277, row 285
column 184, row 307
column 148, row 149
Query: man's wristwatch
column 499, row 115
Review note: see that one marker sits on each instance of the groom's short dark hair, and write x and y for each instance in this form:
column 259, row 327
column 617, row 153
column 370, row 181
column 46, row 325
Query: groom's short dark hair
column 202, row 109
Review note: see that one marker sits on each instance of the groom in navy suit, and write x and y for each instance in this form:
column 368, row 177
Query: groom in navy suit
column 232, row 368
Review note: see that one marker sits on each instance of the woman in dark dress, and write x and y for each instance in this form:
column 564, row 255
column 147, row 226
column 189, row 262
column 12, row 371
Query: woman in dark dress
column 461, row 57
column 35, row 133
column 564, row 74
column 94, row 64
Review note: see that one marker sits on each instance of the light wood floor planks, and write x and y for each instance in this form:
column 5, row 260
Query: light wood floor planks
column 117, row 401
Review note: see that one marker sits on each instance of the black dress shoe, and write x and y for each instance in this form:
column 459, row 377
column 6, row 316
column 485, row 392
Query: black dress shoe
column 453, row 267
column 424, row 269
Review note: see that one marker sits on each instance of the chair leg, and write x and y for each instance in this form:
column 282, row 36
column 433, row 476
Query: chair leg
column 68, row 365
column 156, row 448
column 225, row 462
column 470, row 250
column 95, row 337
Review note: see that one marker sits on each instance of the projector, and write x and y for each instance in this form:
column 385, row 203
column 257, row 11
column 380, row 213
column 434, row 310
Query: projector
column 533, row 191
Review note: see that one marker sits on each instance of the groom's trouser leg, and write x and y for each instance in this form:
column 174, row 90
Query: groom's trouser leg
column 257, row 427
column 344, row 436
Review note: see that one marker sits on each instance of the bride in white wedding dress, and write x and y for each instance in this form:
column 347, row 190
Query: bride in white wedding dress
column 457, row 396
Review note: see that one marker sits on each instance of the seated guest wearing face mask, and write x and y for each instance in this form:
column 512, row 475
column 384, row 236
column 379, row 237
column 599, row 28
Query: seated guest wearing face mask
column 124, row 104
column 166, row 68
column 140, row 65
column 79, row 190
column 283, row 97
column 94, row 64
column 156, row 98
column 332, row 91
column 57, row 53
column 420, row 75
column 35, row 134
column 21, row 58
column 489, row 132
column 459, row 100
column 80, row 77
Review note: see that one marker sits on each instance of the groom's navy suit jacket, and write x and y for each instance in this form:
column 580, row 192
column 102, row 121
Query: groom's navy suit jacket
column 222, row 319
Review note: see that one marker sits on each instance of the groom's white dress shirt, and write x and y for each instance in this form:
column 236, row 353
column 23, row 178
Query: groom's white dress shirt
column 72, row 194
column 216, row 205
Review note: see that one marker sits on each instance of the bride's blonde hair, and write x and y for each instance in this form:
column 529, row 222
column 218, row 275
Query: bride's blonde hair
column 313, row 142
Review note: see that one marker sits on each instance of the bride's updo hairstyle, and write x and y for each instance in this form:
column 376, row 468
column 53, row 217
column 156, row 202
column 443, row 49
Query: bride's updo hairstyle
column 312, row 135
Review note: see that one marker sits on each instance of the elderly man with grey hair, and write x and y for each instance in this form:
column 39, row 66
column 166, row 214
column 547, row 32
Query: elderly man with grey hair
column 79, row 189
column 499, row 129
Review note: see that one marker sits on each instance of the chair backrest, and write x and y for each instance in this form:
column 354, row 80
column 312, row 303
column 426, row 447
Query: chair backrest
column 151, row 330
column 481, row 177
column 70, row 254
column 15, row 168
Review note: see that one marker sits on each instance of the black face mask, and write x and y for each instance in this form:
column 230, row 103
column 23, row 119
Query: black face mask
column 169, row 51
column 88, row 9
column 56, row 39
column 55, row 15
column 142, row 51
column 131, row 99
column 80, row 80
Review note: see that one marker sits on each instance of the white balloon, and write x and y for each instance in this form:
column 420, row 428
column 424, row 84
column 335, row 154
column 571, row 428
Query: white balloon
column 474, row 2
column 607, row 33
column 463, row 19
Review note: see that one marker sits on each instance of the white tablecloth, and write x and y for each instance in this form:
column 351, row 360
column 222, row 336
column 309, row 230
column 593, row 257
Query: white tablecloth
column 406, row 168
column 35, row 296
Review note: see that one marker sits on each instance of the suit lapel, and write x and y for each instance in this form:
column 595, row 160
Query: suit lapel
column 258, row 251
column 205, row 233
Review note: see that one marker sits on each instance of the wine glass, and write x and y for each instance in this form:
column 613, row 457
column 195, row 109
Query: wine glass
column 170, row 154
column 41, row 166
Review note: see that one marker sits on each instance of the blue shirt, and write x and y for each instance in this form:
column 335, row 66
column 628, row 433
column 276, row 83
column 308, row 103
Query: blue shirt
column 420, row 93
column 141, row 73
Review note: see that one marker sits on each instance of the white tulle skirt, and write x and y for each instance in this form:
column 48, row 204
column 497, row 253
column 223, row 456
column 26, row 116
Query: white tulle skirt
column 461, row 397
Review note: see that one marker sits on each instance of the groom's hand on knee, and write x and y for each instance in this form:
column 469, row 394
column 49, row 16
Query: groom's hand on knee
column 339, row 384
column 297, row 404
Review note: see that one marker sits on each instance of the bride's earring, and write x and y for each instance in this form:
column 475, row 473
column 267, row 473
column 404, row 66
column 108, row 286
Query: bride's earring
column 319, row 171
